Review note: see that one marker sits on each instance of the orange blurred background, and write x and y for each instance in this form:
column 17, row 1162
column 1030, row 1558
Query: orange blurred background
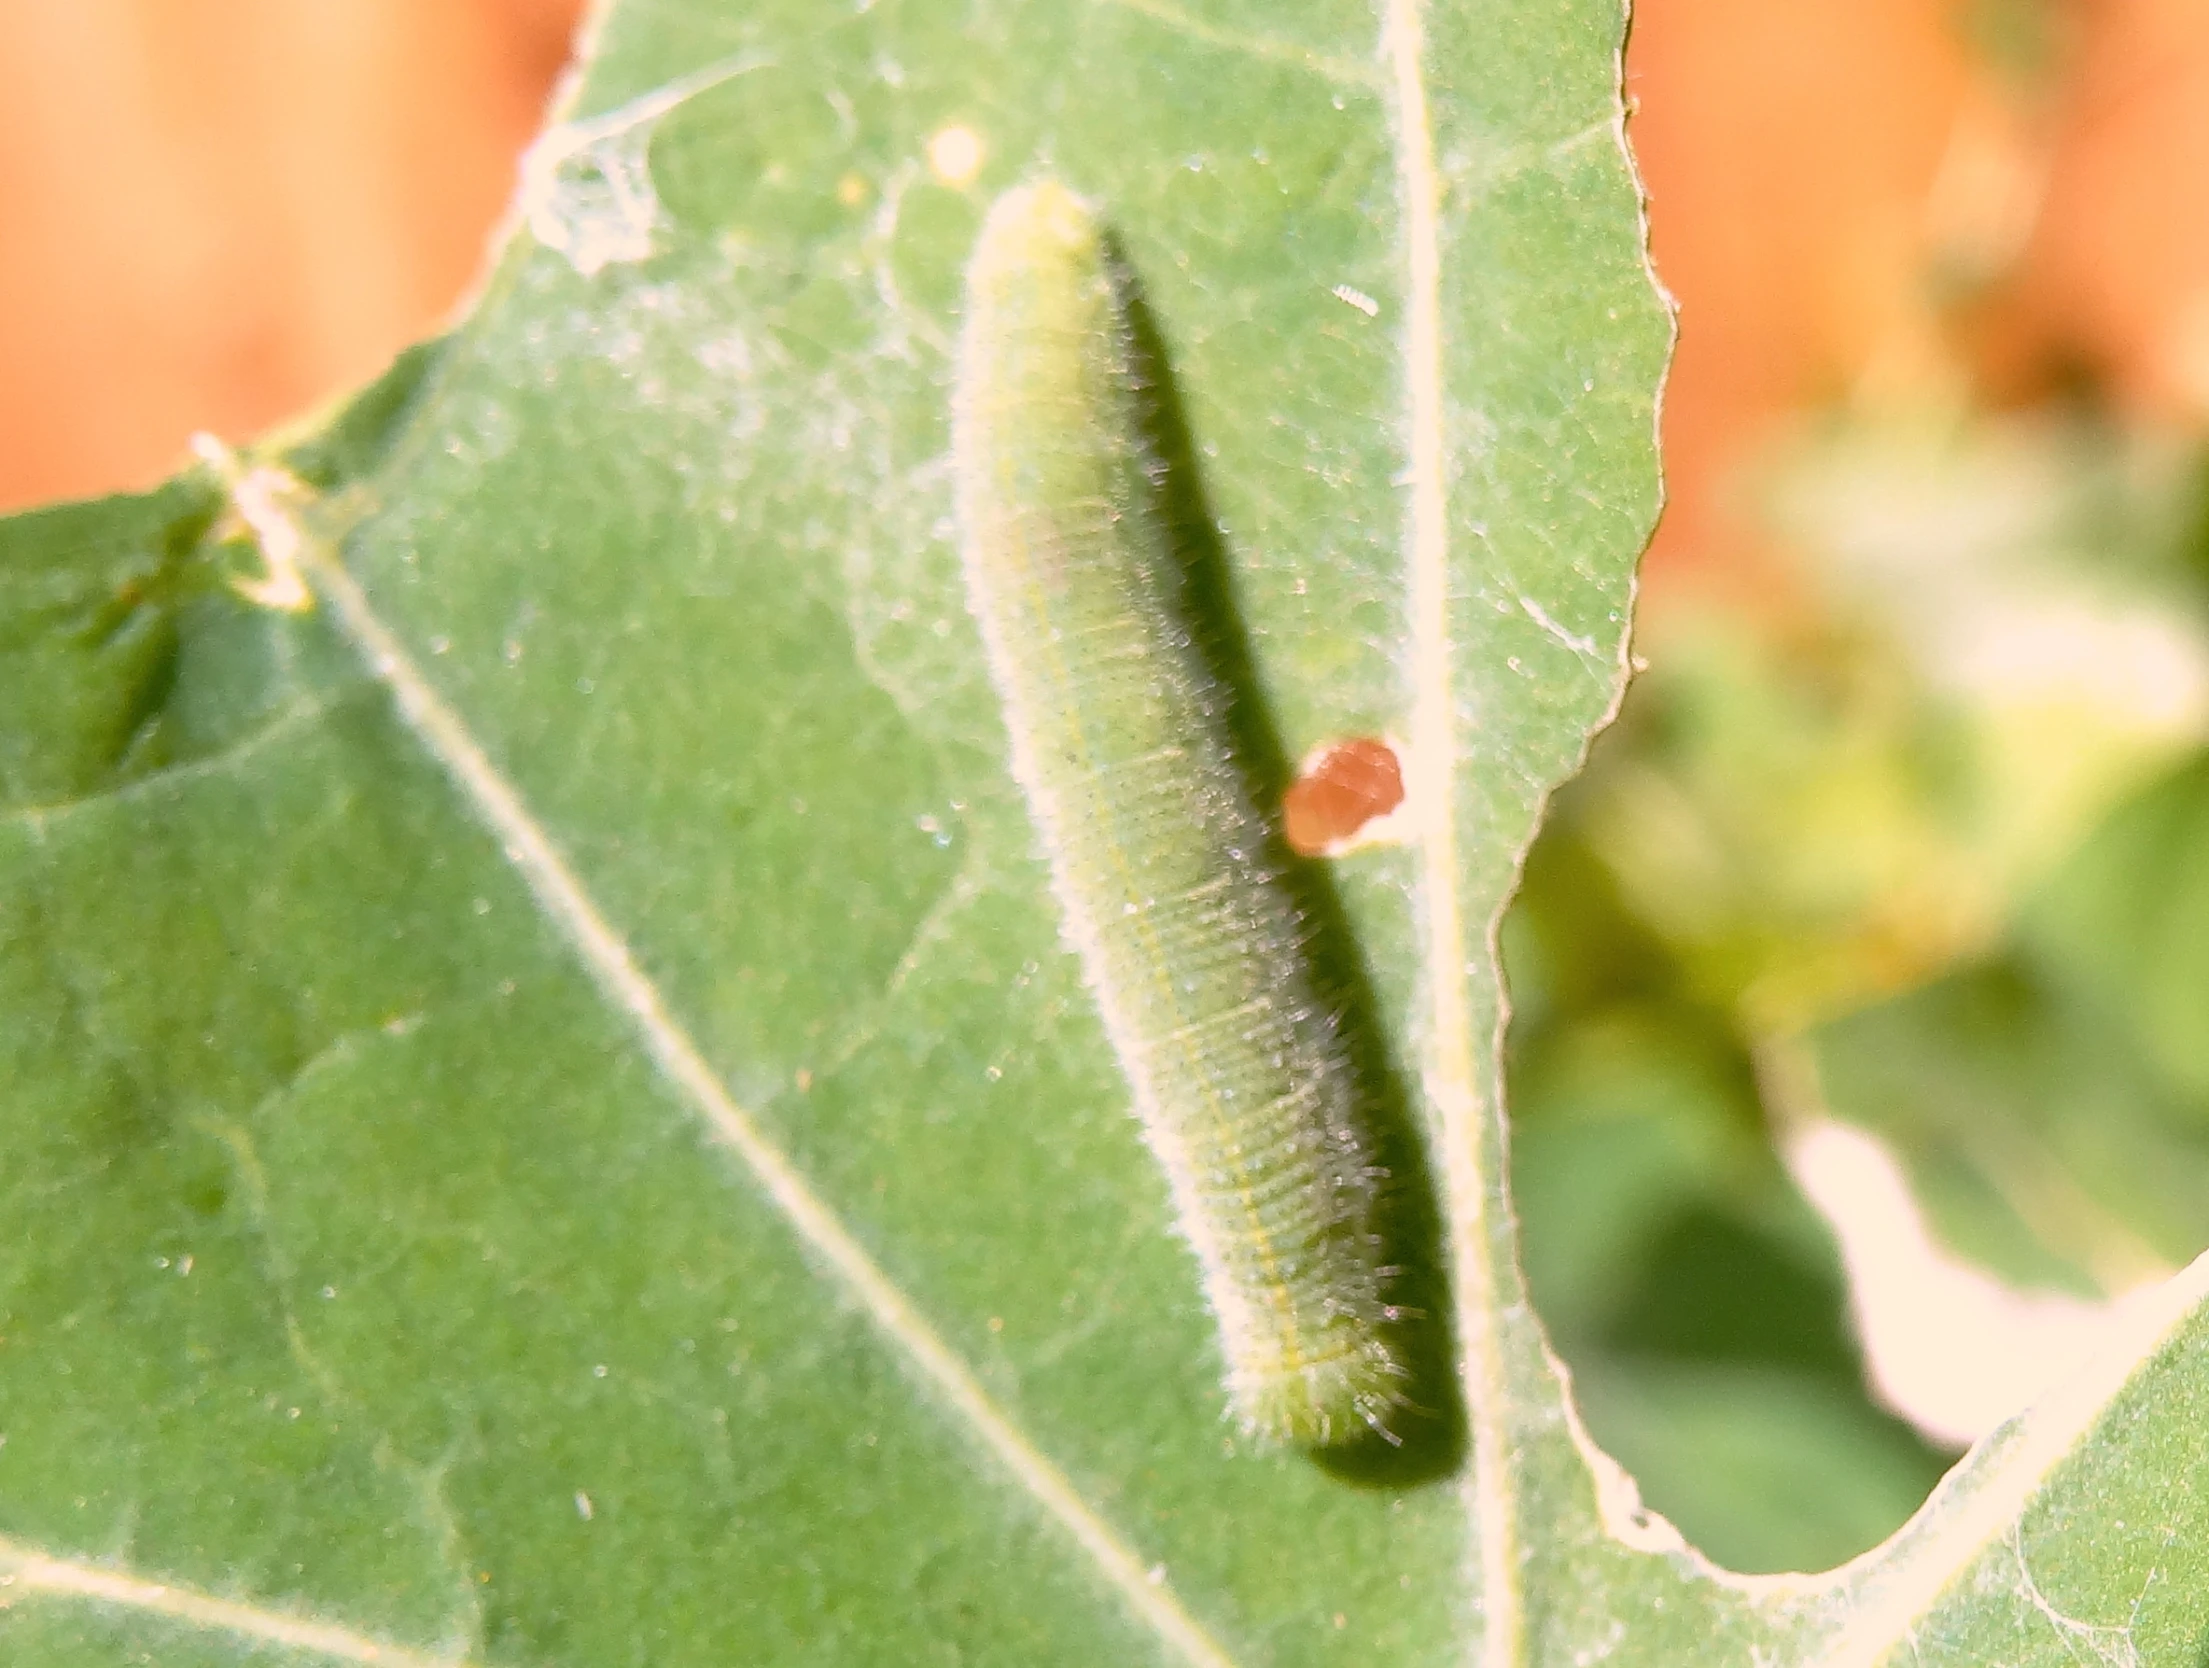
column 1859, row 202
column 226, row 213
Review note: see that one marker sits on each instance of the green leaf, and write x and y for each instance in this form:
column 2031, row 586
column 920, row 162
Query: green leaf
column 551, row 1122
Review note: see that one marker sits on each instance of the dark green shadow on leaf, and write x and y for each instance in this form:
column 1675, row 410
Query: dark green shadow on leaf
column 1427, row 1438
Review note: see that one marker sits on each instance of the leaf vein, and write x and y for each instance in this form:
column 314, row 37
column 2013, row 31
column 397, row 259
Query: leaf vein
column 608, row 960
column 1448, row 1071
column 25, row 1570
column 289, row 719
column 1339, row 70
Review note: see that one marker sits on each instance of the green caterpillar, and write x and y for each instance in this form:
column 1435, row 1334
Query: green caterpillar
column 1189, row 939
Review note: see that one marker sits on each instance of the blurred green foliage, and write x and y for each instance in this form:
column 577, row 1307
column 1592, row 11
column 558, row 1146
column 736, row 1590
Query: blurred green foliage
column 1936, row 820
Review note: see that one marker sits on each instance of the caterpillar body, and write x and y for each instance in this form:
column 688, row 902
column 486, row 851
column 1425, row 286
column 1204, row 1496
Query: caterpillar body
column 1187, row 935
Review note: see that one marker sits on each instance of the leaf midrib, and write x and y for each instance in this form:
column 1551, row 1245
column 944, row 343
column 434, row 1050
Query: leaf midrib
column 1448, row 1075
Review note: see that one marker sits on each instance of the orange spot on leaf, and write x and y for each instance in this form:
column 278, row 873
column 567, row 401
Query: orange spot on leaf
column 1341, row 788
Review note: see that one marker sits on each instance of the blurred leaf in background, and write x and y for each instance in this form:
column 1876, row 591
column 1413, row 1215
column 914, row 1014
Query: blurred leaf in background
column 1904, row 821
